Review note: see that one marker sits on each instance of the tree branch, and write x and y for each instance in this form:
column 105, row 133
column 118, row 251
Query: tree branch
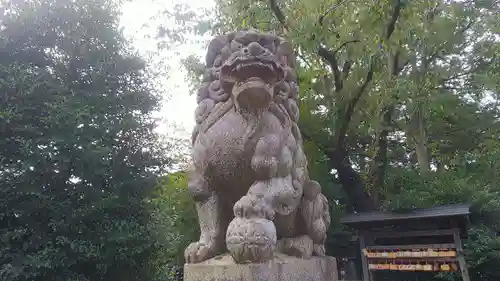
column 278, row 13
column 322, row 17
column 403, row 65
column 346, row 69
column 470, row 71
column 435, row 55
column 394, row 68
column 327, row 55
column 350, row 180
column 331, row 58
column 380, row 160
column 345, row 44
column 346, row 120
column 391, row 26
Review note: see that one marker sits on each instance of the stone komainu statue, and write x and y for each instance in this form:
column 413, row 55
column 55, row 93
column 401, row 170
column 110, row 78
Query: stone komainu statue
column 249, row 180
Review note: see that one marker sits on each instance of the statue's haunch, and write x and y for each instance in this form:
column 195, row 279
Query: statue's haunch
column 249, row 180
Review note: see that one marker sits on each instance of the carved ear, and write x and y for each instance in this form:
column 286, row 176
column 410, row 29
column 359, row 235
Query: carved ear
column 285, row 52
column 269, row 41
column 214, row 49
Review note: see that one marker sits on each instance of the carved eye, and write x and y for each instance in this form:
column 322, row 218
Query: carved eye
column 235, row 46
column 270, row 47
column 225, row 53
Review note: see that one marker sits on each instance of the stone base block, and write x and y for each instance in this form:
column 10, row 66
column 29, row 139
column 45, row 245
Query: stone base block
column 282, row 268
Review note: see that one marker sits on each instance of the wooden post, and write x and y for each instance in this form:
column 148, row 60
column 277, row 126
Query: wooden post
column 460, row 255
column 350, row 270
column 364, row 260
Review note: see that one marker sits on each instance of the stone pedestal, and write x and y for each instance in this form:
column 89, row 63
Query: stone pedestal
column 282, row 268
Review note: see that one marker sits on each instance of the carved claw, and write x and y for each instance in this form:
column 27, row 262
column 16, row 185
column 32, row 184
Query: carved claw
column 301, row 246
column 319, row 250
column 198, row 251
column 252, row 206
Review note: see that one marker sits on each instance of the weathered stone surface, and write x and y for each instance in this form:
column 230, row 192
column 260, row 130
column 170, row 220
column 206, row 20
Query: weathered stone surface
column 249, row 178
column 282, row 268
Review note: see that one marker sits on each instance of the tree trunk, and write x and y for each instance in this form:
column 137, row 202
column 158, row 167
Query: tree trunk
column 421, row 144
column 353, row 186
column 349, row 178
column 417, row 124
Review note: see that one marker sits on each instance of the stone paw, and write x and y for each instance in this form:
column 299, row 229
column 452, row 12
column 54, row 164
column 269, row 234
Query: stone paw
column 319, row 250
column 198, row 251
column 301, row 247
column 250, row 207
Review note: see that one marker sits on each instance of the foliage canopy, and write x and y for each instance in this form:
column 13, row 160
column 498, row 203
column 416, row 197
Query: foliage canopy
column 399, row 103
column 78, row 156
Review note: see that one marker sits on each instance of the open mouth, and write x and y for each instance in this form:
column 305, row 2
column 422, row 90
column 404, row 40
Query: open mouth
column 245, row 70
column 253, row 92
column 251, row 80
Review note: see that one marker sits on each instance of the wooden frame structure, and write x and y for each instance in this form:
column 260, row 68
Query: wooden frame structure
column 416, row 240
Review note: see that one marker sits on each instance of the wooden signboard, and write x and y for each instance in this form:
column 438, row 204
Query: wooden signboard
column 416, row 241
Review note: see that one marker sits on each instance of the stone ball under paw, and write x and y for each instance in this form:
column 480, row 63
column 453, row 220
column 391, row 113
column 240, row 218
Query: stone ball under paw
column 251, row 240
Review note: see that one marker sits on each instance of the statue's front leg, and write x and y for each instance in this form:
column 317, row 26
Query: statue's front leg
column 212, row 221
column 251, row 236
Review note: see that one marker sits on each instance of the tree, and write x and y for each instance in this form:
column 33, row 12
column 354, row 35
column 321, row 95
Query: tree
column 176, row 208
column 368, row 66
column 78, row 156
column 399, row 102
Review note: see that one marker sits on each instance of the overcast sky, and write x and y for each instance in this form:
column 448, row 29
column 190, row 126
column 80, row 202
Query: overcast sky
column 179, row 105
